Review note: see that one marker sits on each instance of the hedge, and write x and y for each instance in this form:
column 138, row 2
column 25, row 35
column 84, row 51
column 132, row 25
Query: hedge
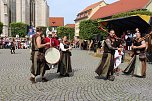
column 19, row 28
column 142, row 12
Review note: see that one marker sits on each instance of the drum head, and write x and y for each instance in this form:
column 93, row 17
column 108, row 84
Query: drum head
column 52, row 55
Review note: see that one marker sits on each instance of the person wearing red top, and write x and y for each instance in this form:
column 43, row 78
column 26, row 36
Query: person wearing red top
column 46, row 40
column 54, row 41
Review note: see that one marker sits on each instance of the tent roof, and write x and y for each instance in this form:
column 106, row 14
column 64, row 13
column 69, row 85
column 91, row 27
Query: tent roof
column 128, row 23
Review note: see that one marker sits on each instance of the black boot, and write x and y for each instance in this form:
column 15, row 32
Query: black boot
column 32, row 79
column 111, row 78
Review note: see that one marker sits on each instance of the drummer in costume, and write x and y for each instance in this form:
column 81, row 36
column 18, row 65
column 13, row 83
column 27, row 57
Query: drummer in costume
column 47, row 39
column 137, row 64
column 64, row 66
column 37, row 56
column 54, row 43
column 106, row 67
column 52, row 39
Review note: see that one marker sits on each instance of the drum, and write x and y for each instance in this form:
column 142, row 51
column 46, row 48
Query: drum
column 52, row 55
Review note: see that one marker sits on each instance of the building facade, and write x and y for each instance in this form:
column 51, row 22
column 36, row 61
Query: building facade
column 41, row 13
column 32, row 12
column 86, row 14
column 55, row 22
column 4, row 15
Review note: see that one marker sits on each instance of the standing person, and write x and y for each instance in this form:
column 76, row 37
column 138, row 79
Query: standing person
column 17, row 40
column 90, row 45
column 118, row 61
column 117, row 55
column 38, row 60
column 136, row 31
column 54, row 43
column 47, row 40
column 123, row 46
column 106, row 67
column 95, row 45
column 54, row 40
column 129, row 40
column 1, row 43
column 5, row 42
column 19, row 44
column 64, row 66
column 137, row 64
column 12, row 46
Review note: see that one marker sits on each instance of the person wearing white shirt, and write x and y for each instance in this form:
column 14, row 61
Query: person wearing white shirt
column 64, row 66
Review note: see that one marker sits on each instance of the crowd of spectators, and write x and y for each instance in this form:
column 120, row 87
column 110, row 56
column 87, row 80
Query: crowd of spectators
column 20, row 43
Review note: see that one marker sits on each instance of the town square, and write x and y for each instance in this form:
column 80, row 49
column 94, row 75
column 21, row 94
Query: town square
column 78, row 50
column 81, row 86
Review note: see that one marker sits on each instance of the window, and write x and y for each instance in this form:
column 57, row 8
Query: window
column 5, row 9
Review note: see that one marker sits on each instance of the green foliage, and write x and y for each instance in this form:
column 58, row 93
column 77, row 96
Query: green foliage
column 18, row 28
column 50, row 28
column 103, row 33
column 65, row 31
column 1, row 27
column 142, row 12
column 88, row 29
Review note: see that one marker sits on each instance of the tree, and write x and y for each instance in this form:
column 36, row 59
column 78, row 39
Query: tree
column 19, row 28
column 88, row 29
column 65, row 31
column 1, row 27
column 50, row 28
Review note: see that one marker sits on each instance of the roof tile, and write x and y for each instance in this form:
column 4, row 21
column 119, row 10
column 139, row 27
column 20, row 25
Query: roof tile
column 70, row 25
column 56, row 21
column 91, row 6
column 120, row 7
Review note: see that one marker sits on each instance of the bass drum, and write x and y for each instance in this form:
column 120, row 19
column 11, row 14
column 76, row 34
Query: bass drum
column 52, row 55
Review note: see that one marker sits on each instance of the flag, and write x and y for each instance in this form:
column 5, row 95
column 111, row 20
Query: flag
column 31, row 31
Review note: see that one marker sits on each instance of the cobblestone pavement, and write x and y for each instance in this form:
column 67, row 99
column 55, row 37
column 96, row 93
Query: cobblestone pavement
column 81, row 86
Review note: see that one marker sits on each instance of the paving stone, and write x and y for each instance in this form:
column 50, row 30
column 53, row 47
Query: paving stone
column 81, row 86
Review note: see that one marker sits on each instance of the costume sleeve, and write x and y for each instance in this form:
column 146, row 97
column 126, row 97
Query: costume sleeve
column 108, row 42
column 62, row 47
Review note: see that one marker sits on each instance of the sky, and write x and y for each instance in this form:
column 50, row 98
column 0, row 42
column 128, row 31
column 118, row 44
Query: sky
column 70, row 8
